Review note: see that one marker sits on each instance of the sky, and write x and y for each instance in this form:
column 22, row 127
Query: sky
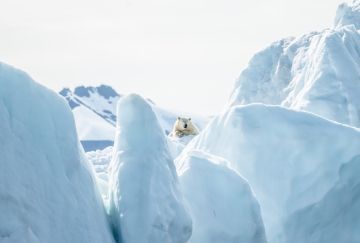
column 184, row 55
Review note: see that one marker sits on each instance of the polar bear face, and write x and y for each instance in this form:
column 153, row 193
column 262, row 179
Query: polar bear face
column 183, row 124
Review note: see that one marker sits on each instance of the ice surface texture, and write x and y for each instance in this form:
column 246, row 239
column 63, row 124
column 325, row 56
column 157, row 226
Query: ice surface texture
column 291, row 159
column 336, row 217
column 348, row 14
column 47, row 190
column 222, row 205
column 145, row 201
column 317, row 72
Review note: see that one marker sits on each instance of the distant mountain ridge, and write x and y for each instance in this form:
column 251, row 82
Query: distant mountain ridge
column 90, row 97
column 94, row 110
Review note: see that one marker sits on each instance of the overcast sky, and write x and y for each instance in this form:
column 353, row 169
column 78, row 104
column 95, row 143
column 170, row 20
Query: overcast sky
column 183, row 54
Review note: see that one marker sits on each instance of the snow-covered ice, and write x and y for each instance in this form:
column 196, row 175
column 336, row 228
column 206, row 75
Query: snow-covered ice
column 177, row 144
column 92, row 127
column 94, row 109
column 291, row 159
column 280, row 164
column 318, row 72
column 222, row 205
column 348, row 14
column 100, row 160
column 47, row 189
column 146, row 204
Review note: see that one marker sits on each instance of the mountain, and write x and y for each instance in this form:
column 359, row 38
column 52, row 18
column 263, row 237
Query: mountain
column 101, row 100
column 318, row 72
column 94, row 113
column 94, row 110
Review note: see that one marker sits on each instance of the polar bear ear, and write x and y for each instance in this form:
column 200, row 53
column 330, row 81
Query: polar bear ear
column 178, row 118
column 189, row 118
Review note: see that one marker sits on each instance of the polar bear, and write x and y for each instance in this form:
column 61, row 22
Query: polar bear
column 184, row 126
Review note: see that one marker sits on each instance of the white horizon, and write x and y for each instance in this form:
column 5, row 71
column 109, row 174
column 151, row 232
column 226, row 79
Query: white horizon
column 183, row 55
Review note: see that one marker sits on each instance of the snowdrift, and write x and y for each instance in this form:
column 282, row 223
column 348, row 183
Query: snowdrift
column 221, row 203
column 290, row 159
column 145, row 201
column 47, row 191
column 318, row 72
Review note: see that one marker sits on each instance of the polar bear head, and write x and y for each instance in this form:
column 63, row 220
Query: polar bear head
column 183, row 123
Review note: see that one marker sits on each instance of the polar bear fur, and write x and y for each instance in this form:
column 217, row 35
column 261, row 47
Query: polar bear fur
column 184, row 127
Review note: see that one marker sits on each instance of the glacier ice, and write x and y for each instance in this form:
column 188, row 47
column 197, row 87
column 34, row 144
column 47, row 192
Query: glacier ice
column 177, row 144
column 318, row 72
column 221, row 203
column 291, row 159
column 348, row 14
column 298, row 161
column 333, row 219
column 94, row 110
column 47, row 189
column 100, row 160
column 146, row 204
column 277, row 168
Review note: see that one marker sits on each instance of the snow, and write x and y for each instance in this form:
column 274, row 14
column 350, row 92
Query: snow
column 146, row 204
column 47, row 189
column 221, row 203
column 177, row 144
column 94, row 112
column 348, row 14
column 100, row 104
column 92, row 127
column 280, row 164
column 94, row 109
column 294, row 160
column 291, row 159
column 100, row 100
column 318, row 72
column 100, row 159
